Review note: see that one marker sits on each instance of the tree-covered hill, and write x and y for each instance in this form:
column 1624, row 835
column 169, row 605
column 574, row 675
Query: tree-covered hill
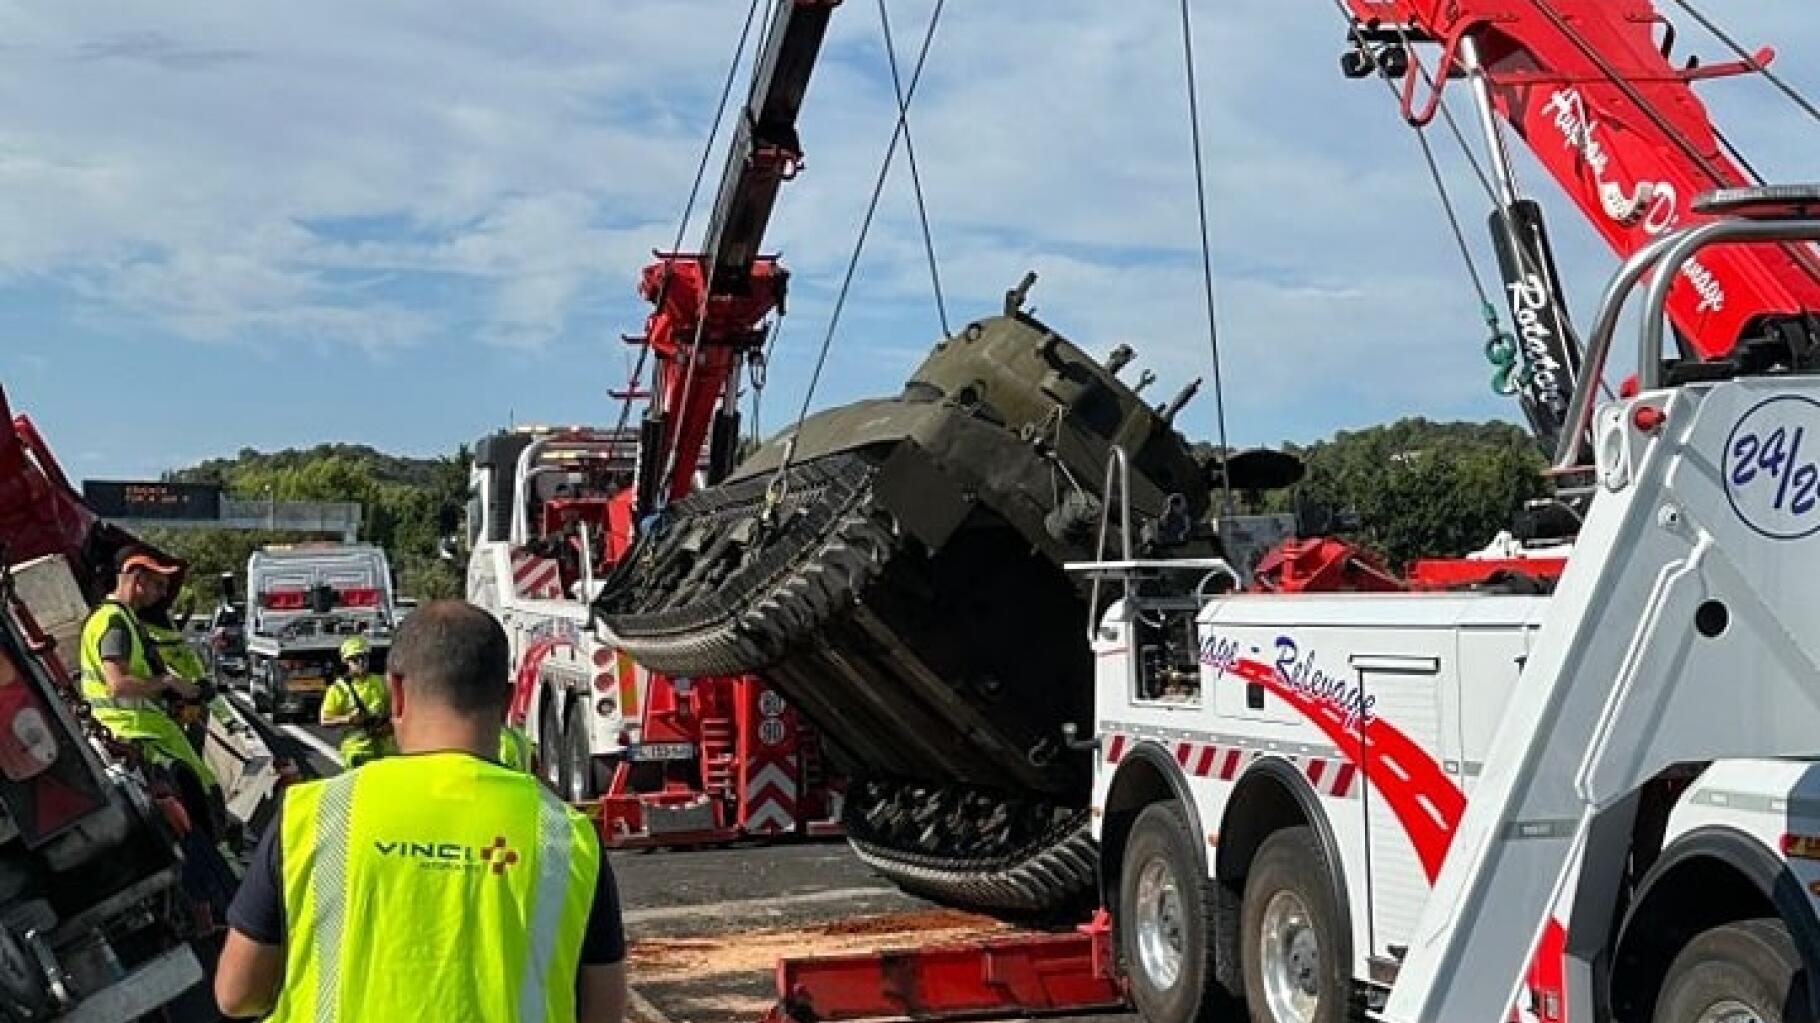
column 411, row 505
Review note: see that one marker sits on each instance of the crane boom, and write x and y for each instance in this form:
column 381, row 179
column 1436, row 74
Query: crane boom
column 710, row 306
column 1589, row 87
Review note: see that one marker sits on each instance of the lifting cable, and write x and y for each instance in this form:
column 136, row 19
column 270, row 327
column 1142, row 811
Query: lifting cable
column 775, row 491
column 1200, row 196
column 916, row 177
column 1750, row 59
column 682, row 228
column 759, row 371
column 1501, row 349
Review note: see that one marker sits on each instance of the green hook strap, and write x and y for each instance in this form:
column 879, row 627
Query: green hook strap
column 1508, row 371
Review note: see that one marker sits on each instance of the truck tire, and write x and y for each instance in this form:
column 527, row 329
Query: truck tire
column 551, row 761
column 1295, row 954
column 578, row 757
column 1165, row 920
column 1741, row 971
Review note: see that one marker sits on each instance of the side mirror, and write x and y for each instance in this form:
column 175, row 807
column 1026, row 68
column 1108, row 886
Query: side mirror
column 225, row 584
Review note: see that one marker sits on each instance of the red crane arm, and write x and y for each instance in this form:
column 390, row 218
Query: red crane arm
column 710, row 306
column 1587, row 85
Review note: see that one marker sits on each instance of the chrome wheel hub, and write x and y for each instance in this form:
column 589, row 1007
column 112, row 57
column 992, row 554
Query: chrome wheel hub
column 1159, row 922
column 1290, row 960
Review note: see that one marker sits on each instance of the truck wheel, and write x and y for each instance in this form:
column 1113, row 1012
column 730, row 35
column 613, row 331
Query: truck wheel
column 1744, row 972
column 578, row 758
column 1296, row 959
column 550, row 758
column 1165, row 916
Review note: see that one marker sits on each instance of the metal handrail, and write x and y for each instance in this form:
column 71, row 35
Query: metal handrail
column 1117, row 465
column 1666, row 255
column 1598, row 347
column 1655, row 300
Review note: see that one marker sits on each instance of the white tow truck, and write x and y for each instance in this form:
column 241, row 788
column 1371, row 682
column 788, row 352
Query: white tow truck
column 542, row 523
column 1600, row 804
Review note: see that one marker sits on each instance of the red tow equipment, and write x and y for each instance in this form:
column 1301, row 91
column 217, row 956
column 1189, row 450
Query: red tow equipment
column 1019, row 975
column 718, row 760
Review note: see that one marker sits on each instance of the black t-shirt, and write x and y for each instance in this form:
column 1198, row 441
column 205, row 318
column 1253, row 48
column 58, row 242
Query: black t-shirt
column 258, row 908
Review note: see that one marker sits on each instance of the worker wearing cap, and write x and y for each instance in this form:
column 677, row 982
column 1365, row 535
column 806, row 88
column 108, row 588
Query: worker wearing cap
column 514, row 748
column 357, row 701
column 123, row 677
column 436, row 885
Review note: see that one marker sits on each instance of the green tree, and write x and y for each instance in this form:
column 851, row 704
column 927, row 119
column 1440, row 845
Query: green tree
column 408, row 504
column 1425, row 489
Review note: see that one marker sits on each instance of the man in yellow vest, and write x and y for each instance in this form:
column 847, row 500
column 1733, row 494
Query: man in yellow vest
column 435, row 885
column 124, row 679
column 357, row 701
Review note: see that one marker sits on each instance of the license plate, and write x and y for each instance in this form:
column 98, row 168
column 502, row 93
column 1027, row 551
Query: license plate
column 305, row 684
column 661, row 751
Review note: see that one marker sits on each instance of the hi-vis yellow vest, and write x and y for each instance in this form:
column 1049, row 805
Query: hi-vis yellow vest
column 138, row 718
column 433, row 887
column 127, row 716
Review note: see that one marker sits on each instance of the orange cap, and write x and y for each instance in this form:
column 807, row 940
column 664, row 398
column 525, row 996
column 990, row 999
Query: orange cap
column 146, row 561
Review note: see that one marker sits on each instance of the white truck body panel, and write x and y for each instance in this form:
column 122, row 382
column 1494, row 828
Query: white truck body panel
column 1547, row 710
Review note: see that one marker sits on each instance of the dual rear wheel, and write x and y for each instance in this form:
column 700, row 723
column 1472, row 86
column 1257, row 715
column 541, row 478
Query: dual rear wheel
column 565, row 758
column 1296, row 954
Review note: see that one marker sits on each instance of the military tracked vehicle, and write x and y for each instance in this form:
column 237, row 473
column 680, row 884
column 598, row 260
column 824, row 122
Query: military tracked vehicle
column 894, row 566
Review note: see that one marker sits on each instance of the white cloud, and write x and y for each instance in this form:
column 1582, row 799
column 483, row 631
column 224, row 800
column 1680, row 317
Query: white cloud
column 387, row 175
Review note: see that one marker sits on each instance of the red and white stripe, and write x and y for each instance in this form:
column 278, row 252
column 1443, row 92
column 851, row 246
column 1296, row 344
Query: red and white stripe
column 771, row 798
column 1330, row 777
column 1224, row 761
column 535, row 578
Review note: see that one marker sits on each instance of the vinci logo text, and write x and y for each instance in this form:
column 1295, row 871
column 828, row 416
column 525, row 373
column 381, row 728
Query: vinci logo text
column 451, row 855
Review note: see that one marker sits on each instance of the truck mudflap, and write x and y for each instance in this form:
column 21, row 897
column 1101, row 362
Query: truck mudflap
column 153, row 985
column 1017, row 976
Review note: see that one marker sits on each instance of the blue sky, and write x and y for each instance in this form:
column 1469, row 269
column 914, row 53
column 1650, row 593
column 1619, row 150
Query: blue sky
column 404, row 224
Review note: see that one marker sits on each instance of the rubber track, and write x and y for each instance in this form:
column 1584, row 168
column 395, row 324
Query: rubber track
column 1054, row 875
column 790, row 593
column 835, row 544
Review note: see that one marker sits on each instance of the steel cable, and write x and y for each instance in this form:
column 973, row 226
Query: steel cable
column 916, row 177
column 859, row 246
column 1200, row 195
column 682, row 228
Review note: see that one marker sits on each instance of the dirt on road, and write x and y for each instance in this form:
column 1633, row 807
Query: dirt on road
column 674, row 959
